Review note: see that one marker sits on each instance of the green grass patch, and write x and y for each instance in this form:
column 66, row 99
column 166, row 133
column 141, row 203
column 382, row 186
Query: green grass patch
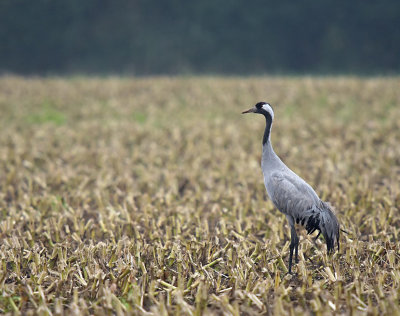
column 139, row 117
column 47, row 113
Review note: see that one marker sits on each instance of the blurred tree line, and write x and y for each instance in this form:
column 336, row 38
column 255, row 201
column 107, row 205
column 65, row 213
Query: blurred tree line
column 208, row 36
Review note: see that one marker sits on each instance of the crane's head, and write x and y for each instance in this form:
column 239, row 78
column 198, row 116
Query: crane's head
column 261, row 108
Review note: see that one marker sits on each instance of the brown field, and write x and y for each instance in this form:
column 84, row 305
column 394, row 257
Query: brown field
column 145, row 196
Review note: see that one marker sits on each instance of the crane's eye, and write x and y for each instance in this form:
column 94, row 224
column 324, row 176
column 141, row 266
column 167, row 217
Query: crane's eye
column 259, row 105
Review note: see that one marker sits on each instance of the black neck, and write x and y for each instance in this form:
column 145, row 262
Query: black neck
column 267, row 131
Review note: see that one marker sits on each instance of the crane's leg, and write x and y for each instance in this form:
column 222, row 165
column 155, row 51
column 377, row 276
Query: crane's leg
column 296, row 250
column 294, row 243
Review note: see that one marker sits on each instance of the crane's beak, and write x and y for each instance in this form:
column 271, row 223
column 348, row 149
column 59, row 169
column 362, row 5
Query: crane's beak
column 252, row 110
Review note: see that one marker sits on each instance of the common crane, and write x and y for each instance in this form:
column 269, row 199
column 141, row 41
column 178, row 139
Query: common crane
column 292, row 195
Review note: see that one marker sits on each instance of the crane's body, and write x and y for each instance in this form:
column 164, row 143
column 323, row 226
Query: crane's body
column 292, row 195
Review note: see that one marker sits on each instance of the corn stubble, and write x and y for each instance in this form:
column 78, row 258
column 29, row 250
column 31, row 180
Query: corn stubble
column 145, row 196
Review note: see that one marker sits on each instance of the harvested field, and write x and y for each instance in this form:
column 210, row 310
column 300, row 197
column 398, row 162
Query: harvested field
column 145, row 196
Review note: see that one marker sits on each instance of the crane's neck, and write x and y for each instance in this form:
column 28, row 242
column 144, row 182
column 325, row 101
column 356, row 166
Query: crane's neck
column 269, row 159
column 267, row 132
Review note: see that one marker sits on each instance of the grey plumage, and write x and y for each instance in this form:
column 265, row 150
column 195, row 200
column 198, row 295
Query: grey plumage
column 292, row 195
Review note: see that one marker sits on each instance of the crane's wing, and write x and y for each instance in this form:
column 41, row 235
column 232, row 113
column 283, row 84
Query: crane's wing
column 294, row 197
column 291, row 194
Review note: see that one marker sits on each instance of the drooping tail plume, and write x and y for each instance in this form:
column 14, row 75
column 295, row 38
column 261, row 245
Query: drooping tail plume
column 329, row 227
column 322, row 218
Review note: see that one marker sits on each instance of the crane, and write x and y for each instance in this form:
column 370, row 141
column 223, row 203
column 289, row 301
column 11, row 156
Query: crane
column 291, row 195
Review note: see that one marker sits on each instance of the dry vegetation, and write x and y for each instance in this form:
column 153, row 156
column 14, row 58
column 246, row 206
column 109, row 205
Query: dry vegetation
column 145, row 196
